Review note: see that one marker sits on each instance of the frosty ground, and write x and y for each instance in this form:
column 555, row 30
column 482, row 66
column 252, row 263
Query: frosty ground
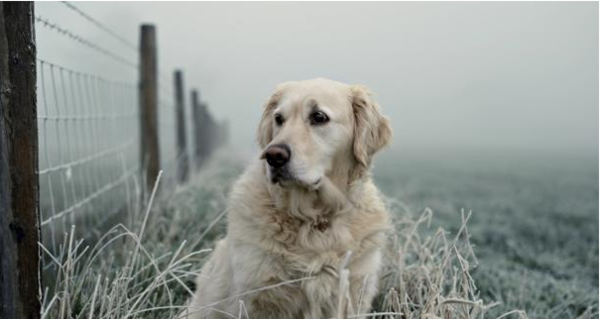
column 534, row 224
column 529, row 247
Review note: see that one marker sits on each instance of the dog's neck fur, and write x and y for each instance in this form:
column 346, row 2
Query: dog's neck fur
column 317, row 206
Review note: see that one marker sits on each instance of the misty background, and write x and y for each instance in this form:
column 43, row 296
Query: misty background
column 453, row 77
column 494, row 107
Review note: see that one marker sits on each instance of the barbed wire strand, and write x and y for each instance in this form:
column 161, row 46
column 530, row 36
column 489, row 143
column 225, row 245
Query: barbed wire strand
column 100, row 25
column 77, row 38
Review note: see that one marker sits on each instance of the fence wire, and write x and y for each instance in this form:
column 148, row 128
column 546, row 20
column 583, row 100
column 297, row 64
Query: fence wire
column 90, row 174
column 89, row 137
column 83, row 41
column 101, row 26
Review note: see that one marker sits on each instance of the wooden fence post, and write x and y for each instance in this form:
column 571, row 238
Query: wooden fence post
column 150, row 160
column 209, row 123
column 19, row 187
column 198, row 129
column 205, row 123
column 182, row 155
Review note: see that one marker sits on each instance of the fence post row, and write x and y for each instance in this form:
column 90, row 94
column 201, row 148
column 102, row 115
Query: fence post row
column 150, row 160
column 181, row 155
column 20, row 273
column 19, row 198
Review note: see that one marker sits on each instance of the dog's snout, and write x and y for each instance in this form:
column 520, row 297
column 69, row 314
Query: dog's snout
column 278, row 155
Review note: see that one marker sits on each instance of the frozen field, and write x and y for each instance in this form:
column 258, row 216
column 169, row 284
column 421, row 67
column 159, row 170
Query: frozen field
column 534, row 222
column 534, row 227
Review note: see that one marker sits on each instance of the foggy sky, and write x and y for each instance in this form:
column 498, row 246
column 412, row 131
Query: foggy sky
column 514, row 76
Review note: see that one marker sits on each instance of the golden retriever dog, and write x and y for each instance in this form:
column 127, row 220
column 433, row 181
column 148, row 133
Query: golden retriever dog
column 303, row 213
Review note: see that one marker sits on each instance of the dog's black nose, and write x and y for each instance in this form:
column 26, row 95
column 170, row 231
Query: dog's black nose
column 278, row 155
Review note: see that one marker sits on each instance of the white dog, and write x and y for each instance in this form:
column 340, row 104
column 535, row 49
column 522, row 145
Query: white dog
column 294, row 215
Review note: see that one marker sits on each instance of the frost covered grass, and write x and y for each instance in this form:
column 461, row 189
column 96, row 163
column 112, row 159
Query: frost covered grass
column 534, row 223
column 146, row 269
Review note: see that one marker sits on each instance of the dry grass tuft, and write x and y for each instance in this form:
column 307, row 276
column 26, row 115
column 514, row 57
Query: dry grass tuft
column 147, row 270
column 429, row 276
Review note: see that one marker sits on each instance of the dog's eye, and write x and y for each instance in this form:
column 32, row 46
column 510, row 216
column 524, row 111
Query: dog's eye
column 318, row 118
column 279, row 119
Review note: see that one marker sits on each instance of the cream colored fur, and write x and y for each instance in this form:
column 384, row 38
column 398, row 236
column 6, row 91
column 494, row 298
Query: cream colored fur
column 300, row 232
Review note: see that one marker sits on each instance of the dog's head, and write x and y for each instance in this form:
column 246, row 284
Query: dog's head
column 310, row 128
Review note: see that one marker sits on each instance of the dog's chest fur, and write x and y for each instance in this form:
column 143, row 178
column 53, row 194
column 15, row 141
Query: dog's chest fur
column 300, row 237
column 277, row 235
column 306, row 232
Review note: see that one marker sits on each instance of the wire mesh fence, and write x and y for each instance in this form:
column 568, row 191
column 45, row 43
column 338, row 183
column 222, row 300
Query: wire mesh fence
column 91, row 174
column 77, row 115
column 88, row 137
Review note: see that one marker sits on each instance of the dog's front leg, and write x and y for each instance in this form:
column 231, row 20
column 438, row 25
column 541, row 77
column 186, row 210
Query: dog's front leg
column 262, row 284
column 276, row 303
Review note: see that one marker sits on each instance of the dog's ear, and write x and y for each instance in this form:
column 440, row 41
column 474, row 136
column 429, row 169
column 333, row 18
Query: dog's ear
column 372, row 130
column 264, row 135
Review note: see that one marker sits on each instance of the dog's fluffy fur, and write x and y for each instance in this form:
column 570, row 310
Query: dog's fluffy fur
column 299, row 230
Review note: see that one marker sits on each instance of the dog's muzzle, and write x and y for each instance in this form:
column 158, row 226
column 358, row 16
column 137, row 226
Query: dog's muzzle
column 278, row 156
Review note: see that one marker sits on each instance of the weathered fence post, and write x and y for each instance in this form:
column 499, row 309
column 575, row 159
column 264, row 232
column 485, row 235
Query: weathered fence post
column 209, row 131
column 150, row 160
column 198, row 133
column 19, row 198
column 205, row 131
column 182, row 155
